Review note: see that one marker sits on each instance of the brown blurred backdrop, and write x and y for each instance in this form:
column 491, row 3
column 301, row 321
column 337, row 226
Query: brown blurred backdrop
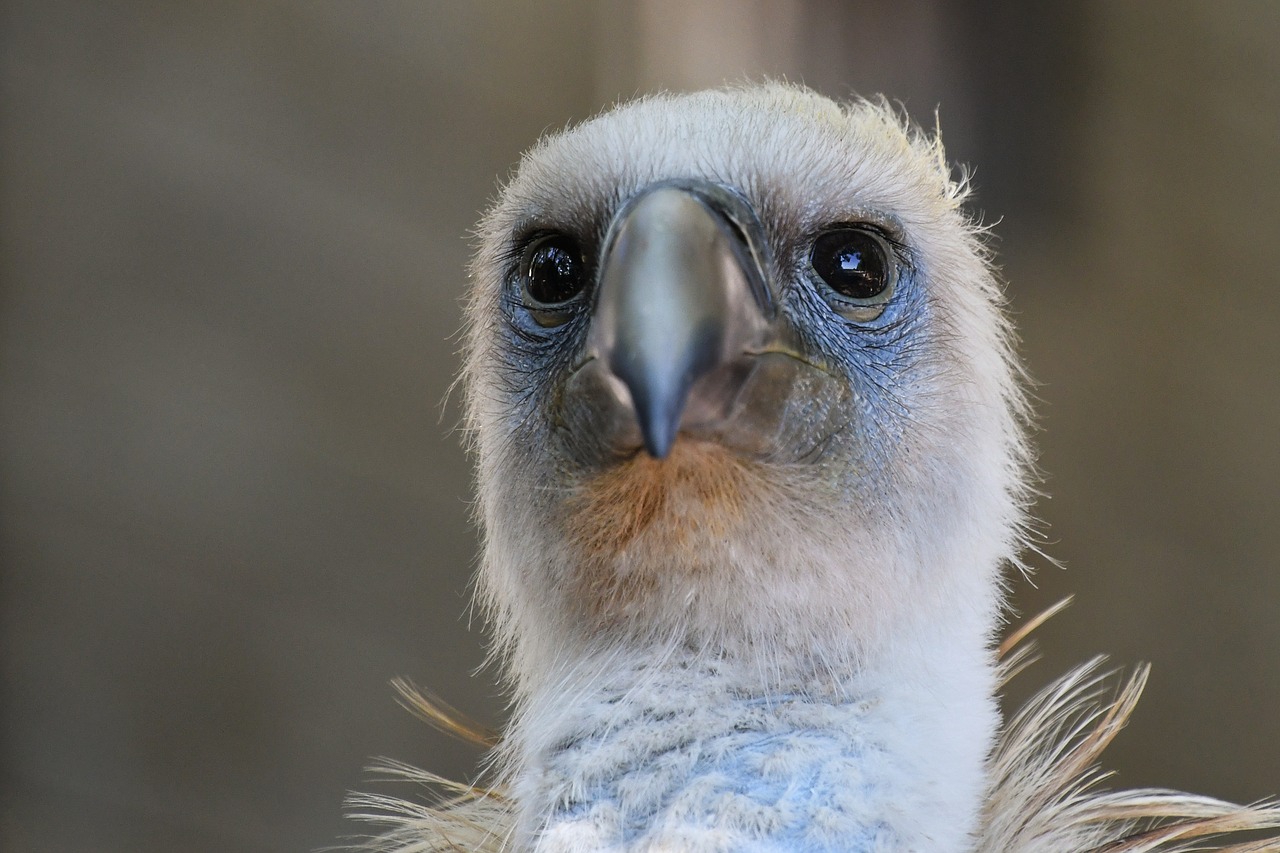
column 233, row 502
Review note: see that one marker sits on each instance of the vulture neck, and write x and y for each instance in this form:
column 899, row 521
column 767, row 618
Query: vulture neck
column 681, row 749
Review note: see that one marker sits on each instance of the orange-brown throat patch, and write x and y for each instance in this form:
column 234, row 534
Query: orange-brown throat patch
column 646, row 520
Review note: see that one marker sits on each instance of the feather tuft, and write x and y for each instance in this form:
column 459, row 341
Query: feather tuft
column 457, row 817
column 1045, row 769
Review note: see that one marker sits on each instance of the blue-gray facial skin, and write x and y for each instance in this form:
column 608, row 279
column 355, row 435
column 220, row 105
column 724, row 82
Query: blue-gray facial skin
column 829, row 378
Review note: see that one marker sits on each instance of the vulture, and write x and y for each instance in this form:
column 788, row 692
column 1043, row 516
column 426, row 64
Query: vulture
column 752, row 456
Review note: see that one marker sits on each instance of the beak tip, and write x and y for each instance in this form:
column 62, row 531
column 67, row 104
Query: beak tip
column 659, row 429
column 657, row 447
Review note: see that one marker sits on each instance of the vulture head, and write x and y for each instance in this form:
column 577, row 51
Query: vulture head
column 740, row 380
column 751, row 457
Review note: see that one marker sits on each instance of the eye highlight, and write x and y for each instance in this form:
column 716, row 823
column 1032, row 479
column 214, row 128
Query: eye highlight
column 858, row 268
column 552, row 275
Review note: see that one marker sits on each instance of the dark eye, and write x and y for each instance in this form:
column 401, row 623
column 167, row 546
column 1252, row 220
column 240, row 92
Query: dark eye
column 859, row 267
column 553, row 273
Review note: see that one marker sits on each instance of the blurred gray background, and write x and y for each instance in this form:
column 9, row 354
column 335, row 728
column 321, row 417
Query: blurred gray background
column 234, row 504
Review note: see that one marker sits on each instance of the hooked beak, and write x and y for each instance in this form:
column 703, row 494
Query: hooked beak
column 681, row 296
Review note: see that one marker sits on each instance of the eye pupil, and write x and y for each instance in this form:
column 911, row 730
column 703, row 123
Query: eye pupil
column 554, row 270
column 853, row 262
